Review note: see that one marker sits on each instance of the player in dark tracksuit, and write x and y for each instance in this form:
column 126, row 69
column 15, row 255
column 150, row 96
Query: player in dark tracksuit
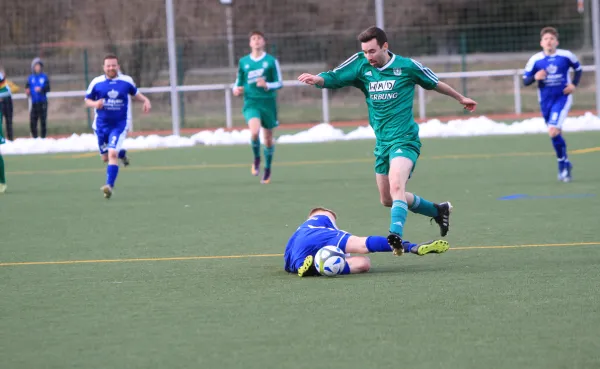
column 38, row 85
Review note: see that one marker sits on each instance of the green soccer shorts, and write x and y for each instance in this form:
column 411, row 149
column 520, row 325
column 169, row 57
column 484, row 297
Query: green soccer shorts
column 384, row 154
column 263, row 109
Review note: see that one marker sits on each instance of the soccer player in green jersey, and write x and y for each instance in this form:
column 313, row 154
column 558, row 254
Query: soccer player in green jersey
column 388, row 83
column 258, row 79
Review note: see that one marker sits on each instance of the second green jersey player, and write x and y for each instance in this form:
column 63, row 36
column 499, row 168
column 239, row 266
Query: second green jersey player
column 388, row 82
column 258, row 78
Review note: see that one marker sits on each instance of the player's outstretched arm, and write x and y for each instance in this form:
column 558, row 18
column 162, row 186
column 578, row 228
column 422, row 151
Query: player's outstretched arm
column 311, row 79
column 342, row 76
column 142, row 98
column 445, row 89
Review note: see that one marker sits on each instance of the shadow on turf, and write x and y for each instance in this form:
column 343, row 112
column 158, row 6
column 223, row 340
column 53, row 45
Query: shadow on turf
column 380, row 270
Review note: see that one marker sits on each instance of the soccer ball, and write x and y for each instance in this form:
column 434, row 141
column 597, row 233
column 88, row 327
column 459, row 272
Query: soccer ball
column 330, row 261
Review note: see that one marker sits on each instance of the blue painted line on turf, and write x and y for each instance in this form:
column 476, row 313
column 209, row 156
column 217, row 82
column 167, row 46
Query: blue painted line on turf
column 534, row 197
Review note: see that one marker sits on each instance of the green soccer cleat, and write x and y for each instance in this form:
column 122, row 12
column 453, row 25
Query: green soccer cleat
column 437, row 247
column 308, row 267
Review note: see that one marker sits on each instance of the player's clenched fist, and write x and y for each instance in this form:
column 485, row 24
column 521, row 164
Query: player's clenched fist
column 469, row 104
column 540, row 75
column 237, row 91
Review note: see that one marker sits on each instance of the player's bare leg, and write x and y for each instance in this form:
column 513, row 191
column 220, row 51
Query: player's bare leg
column 254, row 126
column 358, row 264
column 269, row 147
column 113, row 160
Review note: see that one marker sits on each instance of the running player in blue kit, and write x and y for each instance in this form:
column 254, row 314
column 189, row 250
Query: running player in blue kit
column 550, row 68
column 321, row 230
column 109, row 95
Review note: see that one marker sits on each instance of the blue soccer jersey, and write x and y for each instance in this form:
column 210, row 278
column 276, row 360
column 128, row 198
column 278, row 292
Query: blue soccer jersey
column 317, row 232
column 111, row 122
column 115, row 93
column 554, row 103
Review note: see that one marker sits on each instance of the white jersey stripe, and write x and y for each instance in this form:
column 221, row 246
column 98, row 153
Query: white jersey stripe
column 348, row 61
column 427, row 71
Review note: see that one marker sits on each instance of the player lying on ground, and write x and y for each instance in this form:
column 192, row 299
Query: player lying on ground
column 258, row 78
column 109, row 95
column 550, row 68
column 388, row 82
column 320, row 230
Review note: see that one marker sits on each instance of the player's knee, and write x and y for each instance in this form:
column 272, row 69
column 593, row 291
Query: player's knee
column 113, row 155
column 386, row 201
column 268, row 138
column 553, row 131
column 363, row 265
column 397, row 188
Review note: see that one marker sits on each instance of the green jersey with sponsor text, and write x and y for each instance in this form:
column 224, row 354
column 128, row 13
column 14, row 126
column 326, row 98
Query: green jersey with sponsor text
column 250, row 69
column 389, row 93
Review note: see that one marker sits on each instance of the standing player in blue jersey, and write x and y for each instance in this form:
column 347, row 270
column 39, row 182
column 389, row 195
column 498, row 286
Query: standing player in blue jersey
column 109, row 95
column 320, row 230
column 122, row 152
column 550, row 68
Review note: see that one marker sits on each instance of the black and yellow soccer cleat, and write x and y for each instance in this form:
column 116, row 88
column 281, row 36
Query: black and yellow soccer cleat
column 395, row 241
column 308, row 268
column 437, row 247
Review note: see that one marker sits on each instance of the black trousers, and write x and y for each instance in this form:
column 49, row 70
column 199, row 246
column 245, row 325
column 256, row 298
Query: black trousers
column 6, row 106
column 39, row 110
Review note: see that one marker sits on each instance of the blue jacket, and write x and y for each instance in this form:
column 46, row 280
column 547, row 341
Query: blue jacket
column 38, row 80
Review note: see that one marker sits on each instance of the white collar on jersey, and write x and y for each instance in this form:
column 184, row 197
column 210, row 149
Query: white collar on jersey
column 389, row 62
column 260, row 57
